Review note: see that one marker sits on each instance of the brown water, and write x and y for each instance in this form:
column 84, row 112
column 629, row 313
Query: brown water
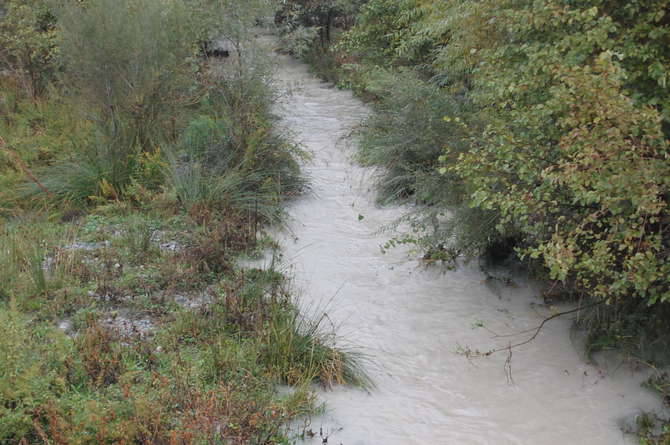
column 412, row 320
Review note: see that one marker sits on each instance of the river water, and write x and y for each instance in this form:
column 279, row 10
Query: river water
column 411, row 320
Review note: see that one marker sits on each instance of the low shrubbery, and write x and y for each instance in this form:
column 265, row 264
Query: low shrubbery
column 134, row 173
column 202, row 372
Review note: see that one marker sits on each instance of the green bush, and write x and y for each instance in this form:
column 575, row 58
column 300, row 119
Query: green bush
column 589, row 200
column 561, row 147
column 28, row 44
column 383, row 29
column 130, row 64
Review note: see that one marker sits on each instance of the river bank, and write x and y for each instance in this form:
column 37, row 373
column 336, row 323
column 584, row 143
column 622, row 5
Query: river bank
column 125, row 316
column 416, row 322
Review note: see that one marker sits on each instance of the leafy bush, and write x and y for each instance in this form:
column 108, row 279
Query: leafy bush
column 581, row 199
column 383, row 28
column 322, row 17
column 562, row 141
column 130, row 65
column 28, row 44
column 298, row 41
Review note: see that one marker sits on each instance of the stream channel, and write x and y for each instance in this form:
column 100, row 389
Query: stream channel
column 411, row 320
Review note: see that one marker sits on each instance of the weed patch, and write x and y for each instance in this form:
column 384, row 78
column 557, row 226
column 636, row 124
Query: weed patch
column 129, row 188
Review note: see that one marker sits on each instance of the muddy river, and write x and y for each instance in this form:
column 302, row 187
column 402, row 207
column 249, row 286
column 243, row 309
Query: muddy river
column 412, row 320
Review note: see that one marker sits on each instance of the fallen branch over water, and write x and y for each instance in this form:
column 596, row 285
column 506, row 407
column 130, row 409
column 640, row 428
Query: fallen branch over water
column 508, row 366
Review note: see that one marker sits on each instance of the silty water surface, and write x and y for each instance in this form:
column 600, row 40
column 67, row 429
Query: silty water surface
column 412, row 320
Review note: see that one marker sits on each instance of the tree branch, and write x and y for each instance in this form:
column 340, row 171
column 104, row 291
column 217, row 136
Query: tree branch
column 539, row 328
column 23, row 167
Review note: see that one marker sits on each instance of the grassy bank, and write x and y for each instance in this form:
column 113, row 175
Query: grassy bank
column 130, row 326
column 135, row 172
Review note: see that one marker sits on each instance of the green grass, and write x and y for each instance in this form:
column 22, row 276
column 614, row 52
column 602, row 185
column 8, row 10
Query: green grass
column 219, row 358
column 124, row 317
column 298, row 348
column 220, row 339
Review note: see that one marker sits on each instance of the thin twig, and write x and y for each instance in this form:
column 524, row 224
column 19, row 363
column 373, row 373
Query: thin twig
column 17, row 160
column 539, row 328
column 508, row 366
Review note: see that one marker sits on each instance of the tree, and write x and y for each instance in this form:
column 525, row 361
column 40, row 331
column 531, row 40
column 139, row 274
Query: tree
column 28, row 43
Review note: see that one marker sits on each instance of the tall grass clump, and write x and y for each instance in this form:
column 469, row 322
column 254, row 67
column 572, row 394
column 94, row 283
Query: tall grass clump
column 230, row 156
column 242, row 98
column 97, row 169
column 295, row 348
column 129, row 71
column 404, row 138
column 31, row 263
column 299, row 349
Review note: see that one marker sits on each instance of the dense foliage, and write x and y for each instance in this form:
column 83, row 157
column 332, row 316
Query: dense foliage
column 543, row 125
column 28, row 36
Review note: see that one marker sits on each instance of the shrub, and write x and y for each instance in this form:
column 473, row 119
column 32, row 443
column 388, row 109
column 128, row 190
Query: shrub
column 562, row 146
column 564, row 167
column 130, row 65
column 299, row 41
column 28, row 44
column 34, row 360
